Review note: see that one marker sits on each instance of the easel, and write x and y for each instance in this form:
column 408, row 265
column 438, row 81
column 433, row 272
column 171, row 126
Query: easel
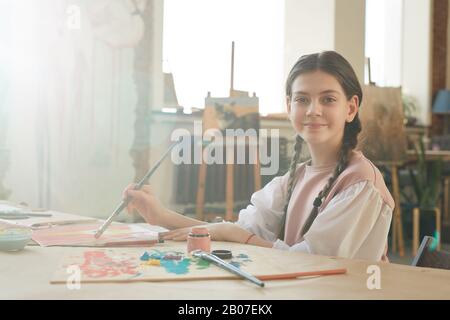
column 242, row 104
column 397, row 225
column 397, row 240
column 383, row 129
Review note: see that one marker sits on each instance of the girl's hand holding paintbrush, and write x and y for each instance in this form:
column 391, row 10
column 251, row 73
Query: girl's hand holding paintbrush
column 146, row 203
column 150, row 208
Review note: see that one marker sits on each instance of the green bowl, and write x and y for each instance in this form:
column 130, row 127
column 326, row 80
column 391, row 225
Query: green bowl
column 14, row 239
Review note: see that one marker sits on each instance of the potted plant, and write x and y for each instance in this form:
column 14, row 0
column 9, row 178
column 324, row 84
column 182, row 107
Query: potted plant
column 425, row 180
column 410, row 107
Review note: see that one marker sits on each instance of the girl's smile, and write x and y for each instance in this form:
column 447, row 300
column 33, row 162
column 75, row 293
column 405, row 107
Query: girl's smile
column 314, row 126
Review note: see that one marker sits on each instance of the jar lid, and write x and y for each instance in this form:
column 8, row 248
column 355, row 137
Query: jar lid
column 222, row 254
column 199, row 231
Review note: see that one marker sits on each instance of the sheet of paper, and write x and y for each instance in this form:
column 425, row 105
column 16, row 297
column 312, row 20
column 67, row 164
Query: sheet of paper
column 117, row 234
column 143, row 264
column 29, row 222
column 169, row 261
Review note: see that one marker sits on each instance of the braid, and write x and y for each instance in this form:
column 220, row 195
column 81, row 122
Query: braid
column 349, row 142
column 292, row 168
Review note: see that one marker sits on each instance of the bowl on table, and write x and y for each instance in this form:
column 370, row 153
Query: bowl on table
column 14, row 238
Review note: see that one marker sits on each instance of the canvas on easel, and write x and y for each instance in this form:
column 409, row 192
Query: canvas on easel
column 238, row 111
column 383, row 138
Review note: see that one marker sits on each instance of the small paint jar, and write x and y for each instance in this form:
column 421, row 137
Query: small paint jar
column 199, row 239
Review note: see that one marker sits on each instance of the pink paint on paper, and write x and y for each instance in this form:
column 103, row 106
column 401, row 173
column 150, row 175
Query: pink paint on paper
column 97, row 264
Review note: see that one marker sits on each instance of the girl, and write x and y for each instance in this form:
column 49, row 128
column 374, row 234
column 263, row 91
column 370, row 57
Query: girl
column 335, row 204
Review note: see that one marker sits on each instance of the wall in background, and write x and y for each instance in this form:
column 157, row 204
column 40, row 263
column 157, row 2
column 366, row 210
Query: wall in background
column 416, row 54
column 384, row 26
column 439, row 56
column 313, row 26
column 197, row 49
column 349, row 33
column 308, row 28
column 448, row 48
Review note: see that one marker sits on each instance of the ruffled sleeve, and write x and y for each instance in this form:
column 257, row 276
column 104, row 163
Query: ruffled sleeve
column 263, row 216
column 354, row 224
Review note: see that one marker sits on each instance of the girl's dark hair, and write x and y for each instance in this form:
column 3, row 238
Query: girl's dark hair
column 334, row 64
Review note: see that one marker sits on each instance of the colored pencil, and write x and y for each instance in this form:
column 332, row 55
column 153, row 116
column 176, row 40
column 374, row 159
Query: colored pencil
column 294, row 275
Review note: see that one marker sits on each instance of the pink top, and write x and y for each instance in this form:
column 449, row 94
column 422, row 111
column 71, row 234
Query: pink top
column 310, row 180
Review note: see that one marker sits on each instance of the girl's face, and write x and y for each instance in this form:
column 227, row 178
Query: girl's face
column 319, row 109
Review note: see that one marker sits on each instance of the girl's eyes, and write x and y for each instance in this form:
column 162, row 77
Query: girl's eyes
column 324, row 100
column 328, row 100
column 302, row 100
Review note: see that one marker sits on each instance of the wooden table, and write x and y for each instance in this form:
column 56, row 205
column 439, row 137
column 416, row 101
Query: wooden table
column 26, row 274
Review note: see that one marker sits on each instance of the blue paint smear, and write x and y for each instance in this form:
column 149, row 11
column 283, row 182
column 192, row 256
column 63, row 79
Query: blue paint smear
column 154, row 255
column 177, row 267
column 172, row 262
column 145, row 257
column 157, row 256
column 243, row 257
column 239, row 260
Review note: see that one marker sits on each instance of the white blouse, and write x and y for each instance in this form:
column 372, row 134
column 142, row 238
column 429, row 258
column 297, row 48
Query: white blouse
column 354, row 224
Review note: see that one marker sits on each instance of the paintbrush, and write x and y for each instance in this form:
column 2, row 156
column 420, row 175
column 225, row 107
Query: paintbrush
column 22, row 215
column 227, row 266
column 138, row 186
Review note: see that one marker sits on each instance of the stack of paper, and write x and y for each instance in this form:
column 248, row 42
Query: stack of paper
column 36, row 222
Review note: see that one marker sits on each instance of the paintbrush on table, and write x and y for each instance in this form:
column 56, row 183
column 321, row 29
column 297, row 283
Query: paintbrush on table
column 138, row 186
column 227, row 266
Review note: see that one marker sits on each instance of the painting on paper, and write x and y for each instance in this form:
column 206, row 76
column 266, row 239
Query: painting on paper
column 83, row 235
column 147, row 264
